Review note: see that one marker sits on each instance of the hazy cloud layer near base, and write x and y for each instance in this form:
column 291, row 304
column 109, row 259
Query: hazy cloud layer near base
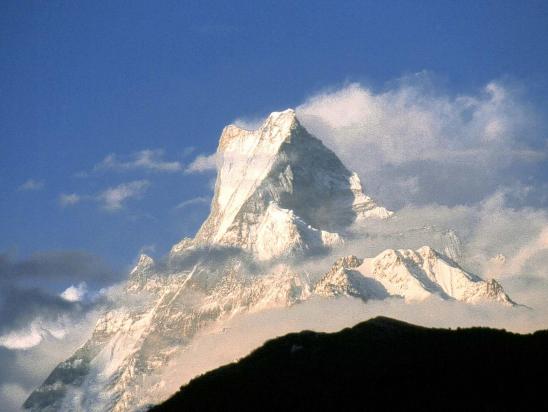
column 230, row 341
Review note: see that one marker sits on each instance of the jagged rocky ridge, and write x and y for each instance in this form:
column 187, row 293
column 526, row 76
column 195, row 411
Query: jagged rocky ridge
column 280, row 197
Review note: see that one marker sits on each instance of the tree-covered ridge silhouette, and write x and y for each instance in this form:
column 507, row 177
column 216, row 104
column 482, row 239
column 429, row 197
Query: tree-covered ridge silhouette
column 380, row 364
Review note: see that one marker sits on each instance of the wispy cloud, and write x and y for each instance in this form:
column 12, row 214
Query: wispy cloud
column 32, row 185
column 194, row 201
column 187, row 151
column 203, row 163
column 147, row 159
column 453, row 148
column 147, row 250
column 249, row 123
column 69, row 199
column 113, row 198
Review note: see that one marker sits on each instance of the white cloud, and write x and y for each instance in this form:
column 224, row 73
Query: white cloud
column 32, row 185
column 26, row 364
column 194, row 201
column 113, row 198
column 453, row 149
column 35, row 332
column 23, row 339
column 203, row 163
column 187, row 151
column 75, row 293
column 145, row 159
column 69, row 199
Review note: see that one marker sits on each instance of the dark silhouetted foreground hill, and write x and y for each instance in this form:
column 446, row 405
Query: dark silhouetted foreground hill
column 381, row 364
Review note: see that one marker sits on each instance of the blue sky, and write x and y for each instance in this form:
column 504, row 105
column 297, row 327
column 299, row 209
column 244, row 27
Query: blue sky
column 82, row 80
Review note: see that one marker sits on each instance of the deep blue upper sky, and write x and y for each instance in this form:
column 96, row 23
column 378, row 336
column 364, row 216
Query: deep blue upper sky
column 80, row 80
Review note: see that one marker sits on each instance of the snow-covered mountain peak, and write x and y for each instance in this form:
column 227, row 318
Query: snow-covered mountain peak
column 411, row 275
column 281, row 233
column 145, row 264
column 277, row 125
column 418, row 274
column 282, row 178
column 427, row 252
column 145, row 261
column 141, row 273
column 279, row 192
column 348, row 262
column 283, row 120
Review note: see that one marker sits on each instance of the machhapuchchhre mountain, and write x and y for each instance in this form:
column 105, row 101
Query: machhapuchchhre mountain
column 281, row 197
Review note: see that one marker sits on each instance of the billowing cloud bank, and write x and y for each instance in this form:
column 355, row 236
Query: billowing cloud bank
column 38, row 327
column 413, row 144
